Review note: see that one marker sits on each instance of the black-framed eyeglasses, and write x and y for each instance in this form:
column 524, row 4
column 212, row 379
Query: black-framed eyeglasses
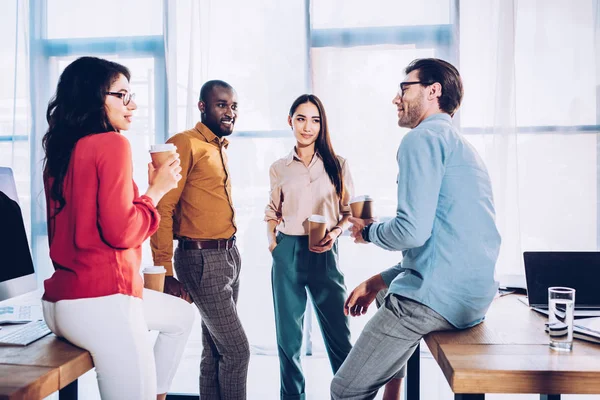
column 402, row 86
column 125, row 96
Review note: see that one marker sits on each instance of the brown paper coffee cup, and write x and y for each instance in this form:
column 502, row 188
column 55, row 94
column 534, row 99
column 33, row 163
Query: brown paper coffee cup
column 154, row 278
column 161, row 152
column 317, row 229
column 362, row 207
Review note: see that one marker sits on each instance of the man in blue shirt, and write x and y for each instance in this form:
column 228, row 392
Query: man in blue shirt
column 444, row 226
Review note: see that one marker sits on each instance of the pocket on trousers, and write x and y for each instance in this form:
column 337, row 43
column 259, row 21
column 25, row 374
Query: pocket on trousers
column 189, row 267
column 278, row 239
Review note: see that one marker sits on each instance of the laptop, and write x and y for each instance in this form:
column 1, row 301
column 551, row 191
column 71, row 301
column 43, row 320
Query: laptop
column 578, row 270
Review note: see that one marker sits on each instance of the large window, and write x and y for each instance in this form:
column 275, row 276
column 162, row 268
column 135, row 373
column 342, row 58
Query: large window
column 530, row 108
column 15, row 121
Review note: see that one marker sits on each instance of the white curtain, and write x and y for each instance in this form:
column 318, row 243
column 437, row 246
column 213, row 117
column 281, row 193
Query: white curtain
column 15, row 110
column 487, row 63
column 532, row 92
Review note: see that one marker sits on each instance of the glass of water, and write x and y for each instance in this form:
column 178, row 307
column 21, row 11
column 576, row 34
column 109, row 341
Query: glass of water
column 561, row 304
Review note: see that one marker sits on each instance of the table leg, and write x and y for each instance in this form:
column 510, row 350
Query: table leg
column 413, row 375
column 549, row 396
column 469, row 396
column 69, row 392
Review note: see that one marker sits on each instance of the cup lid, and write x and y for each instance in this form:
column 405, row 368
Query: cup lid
column 156, row 148
column 155, row 270
column 364, row 197
column 317, row 218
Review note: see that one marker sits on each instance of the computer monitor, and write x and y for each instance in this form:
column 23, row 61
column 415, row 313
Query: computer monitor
column 17, row 275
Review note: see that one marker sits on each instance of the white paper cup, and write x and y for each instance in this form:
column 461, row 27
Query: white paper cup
column 154, row 278
column 161, row 152
column 317, row 229
column 362, row 207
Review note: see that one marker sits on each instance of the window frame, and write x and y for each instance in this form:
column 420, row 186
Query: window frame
column 445, row 40
column 42, row 50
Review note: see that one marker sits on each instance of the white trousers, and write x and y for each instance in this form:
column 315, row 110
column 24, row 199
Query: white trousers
column 114, row 329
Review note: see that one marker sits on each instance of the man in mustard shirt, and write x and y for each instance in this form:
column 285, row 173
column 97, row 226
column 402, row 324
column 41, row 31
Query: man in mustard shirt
column 199, row 214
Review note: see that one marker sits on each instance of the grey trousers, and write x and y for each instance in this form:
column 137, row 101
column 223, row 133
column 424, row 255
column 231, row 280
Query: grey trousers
column 384, row 346
column 212, row 278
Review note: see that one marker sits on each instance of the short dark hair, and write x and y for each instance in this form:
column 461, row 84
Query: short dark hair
column 433, row 70
column 210, row 85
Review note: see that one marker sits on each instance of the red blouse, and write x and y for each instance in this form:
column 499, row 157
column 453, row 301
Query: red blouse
column 95, row 240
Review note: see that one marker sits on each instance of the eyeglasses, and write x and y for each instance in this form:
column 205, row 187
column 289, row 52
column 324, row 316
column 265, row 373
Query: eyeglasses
column 126, row 97
column 402, row 87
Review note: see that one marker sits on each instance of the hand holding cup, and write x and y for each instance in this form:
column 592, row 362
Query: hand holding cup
column 164, row 170
column 317, row 229
column 357, row 226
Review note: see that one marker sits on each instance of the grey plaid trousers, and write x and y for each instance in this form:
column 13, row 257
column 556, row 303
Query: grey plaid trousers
column 212, row 278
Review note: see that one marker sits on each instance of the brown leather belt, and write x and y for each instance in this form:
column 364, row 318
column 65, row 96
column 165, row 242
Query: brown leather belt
column 219, row 244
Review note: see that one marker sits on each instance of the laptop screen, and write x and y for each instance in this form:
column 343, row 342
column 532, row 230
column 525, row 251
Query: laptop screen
column 578, row 270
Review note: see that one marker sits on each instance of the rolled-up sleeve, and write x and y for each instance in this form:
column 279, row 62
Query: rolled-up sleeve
column 124, row 220
column 161, row 243
column 348, row 189
column 273, row 209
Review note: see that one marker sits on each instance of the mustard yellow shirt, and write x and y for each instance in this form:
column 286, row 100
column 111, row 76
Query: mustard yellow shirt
column 201, row 206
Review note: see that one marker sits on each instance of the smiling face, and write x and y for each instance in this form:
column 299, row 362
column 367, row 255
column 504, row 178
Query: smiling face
column 411, row 101
column 220, row 110
column 306, row 124
column 119, row 115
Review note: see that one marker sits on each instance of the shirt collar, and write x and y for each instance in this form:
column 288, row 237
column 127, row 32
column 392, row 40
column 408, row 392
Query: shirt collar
column 293, row 155
column 438, row 116
column 205, row 133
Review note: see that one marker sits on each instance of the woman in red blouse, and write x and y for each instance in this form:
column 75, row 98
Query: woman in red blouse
column 97, row 222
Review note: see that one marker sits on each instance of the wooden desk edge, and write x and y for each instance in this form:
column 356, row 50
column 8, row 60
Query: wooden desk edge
column 73, row 369
column 36, row 382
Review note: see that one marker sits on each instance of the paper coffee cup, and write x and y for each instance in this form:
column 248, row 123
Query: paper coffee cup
column 317, row 229
column 154, row 278
column 160, row 153
column 362, row 207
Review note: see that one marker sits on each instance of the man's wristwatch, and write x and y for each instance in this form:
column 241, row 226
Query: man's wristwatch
column 365, row 233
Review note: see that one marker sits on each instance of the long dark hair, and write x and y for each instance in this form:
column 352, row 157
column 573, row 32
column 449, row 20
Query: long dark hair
column 323, row 144
column 76, row 110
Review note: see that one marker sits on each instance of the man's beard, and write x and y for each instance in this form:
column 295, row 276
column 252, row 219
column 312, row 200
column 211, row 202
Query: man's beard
column 410, row 119
column 217, row 130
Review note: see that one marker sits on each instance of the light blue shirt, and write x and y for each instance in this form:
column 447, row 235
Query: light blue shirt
column 444, row 225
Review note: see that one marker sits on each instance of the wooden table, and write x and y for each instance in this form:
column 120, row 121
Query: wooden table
column 509, row 353
column 42, row 368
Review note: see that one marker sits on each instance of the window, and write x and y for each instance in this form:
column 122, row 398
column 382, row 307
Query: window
column 530, row 109
column 108, row 18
